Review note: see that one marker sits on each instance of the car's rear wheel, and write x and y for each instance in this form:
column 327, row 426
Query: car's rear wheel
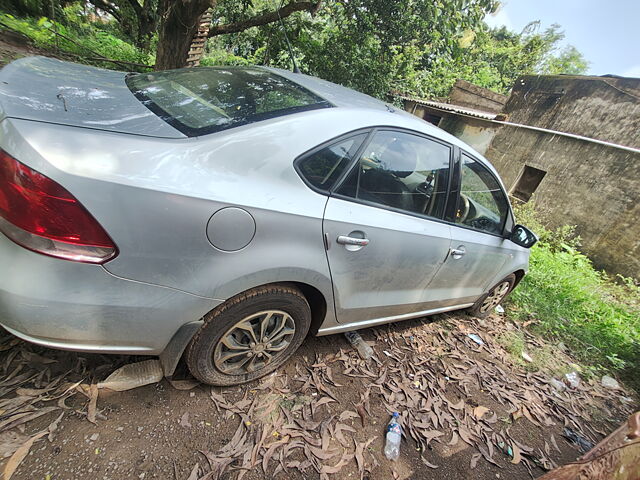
column 249, row 336
column 490, row 300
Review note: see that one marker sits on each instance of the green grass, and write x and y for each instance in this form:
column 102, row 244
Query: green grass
column 549, row 358
column 570, row 301
column 513, row 342
column 74, row 35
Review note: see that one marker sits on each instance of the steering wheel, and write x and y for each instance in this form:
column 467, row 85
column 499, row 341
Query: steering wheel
column 464, row 211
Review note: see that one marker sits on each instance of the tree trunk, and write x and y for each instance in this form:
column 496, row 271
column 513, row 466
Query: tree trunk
column 178, row 25
column 146, row 28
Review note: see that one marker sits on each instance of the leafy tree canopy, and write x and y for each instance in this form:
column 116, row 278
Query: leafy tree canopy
column 416, row 47
column 411, row 46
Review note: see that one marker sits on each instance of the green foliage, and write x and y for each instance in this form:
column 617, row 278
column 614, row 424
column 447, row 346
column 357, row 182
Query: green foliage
column 495, row 58
column 221, row 57
column 572, row 301
column 374, row 46
column 75, row 35
column 414, row 47
column 137, row 20
column 570, row 62
column 33, row 8
column 513, row 342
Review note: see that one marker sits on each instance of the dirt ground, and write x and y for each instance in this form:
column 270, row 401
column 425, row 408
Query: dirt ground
column 468, row 411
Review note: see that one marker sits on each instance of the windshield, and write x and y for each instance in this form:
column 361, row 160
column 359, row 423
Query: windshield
column 203, row 100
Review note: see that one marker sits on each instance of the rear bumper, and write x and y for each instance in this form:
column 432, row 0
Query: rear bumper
column 77, row 306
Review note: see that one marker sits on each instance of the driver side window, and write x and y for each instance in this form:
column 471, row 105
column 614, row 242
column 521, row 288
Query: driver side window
column 402, row 171
column 482, row 204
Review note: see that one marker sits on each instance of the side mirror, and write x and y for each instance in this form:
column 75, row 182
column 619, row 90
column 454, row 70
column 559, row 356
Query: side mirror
column 521, row 235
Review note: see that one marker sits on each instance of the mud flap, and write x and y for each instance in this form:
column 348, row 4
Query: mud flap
column 172, row 353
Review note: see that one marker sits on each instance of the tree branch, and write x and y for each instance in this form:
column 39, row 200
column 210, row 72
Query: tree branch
column 263, row 18
column 107, row 7
column 136, row 7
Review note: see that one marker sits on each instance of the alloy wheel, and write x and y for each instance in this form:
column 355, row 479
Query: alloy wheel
column 495, row 297
column 254, row 342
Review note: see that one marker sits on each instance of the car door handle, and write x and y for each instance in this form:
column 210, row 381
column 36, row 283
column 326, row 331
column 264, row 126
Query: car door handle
column 457, row 252
column 345, row 240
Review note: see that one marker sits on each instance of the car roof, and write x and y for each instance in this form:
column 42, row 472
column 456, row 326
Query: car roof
column 336, row 94
column 347, row 98
column 121, row 112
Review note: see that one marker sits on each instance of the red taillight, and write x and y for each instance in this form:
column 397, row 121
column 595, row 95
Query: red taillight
column 43, row 216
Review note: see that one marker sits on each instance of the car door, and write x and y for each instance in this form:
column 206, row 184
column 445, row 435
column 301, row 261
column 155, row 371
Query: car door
column 384, row 230
column 478, row 248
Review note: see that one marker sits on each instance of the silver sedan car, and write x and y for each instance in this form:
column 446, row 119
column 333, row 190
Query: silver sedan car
column 223, row 214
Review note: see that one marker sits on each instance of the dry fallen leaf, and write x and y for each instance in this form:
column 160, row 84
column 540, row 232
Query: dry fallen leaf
column 347, row 414
column 338, row 433
column 517, row 458
column 361, row 412
column 430, row 465
column 184, row 384
column 32, row 392
column 20, row 418
column 184, row 420
column 346, row 458
column 454, row 438
column 194, row 473
column 53, row 427
column 16, row 459
column 10, row 441
column 479, row 411
column 32, row 357
column 93, row 402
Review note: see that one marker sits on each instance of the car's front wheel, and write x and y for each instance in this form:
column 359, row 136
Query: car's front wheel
column 490, row 300
column 249, row 336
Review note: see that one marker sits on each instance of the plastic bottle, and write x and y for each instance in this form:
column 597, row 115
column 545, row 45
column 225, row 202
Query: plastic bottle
column 359, row 344
column 394, row 435
column 133, row 375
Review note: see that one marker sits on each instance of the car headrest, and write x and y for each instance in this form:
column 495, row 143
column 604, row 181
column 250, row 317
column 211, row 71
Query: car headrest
column 399, row 159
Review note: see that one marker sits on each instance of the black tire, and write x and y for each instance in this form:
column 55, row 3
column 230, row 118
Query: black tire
column 224, row 318
column 480, row 310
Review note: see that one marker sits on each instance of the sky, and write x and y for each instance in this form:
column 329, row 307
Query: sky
column 606, row 32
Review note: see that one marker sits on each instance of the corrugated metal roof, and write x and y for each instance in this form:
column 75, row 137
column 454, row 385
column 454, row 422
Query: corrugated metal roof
column 453, row 108
column 492, row 117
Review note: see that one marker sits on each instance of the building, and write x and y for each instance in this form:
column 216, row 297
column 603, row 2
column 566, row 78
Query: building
column 574, row 142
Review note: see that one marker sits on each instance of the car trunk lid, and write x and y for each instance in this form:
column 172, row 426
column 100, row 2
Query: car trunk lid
column 49, row 90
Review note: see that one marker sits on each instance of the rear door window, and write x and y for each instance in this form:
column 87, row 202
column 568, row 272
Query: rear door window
column 321, row 169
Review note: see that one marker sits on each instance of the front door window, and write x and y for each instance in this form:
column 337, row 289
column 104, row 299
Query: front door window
column 482, row 205
column 402, row 171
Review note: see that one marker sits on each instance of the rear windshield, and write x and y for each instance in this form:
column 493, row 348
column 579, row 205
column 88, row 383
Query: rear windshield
column 203, row 100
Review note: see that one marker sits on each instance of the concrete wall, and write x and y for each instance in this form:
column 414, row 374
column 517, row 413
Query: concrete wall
column 597, row 107
column 589, row 185
column 476, row 133
column 466, row 94
column 422, row 111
